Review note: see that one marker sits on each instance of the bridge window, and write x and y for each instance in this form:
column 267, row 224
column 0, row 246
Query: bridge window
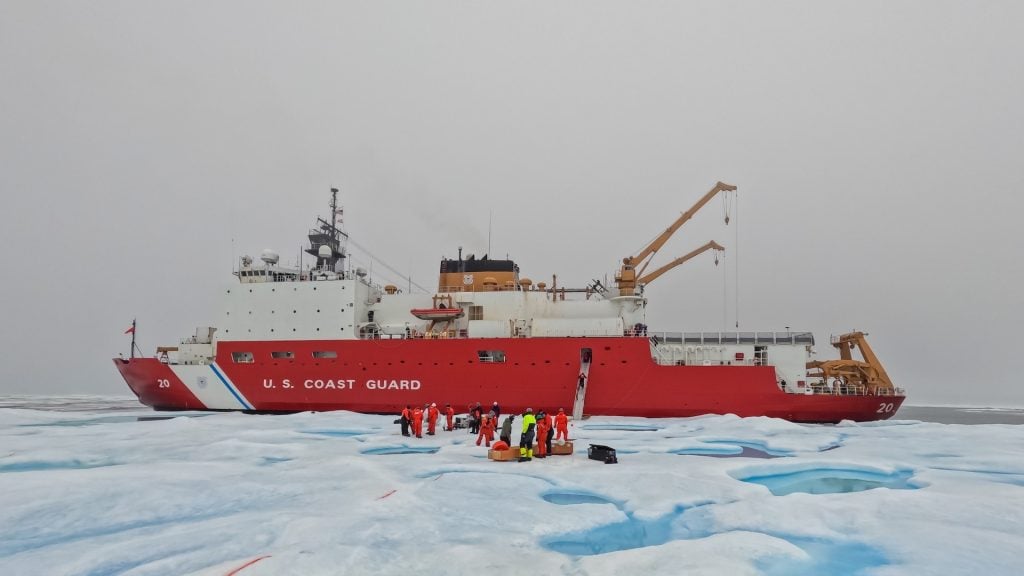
column 242, row 357
column 325, row 354
column 282, row 354
column 491, row 356
column 476, row 312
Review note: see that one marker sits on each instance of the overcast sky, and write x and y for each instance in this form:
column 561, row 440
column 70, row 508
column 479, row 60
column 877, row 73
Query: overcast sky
column 878, row 148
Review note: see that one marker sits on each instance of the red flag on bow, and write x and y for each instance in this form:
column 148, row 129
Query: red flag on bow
column 131, row 329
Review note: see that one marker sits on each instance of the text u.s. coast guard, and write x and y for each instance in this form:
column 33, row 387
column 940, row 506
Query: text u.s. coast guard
column 341, row 384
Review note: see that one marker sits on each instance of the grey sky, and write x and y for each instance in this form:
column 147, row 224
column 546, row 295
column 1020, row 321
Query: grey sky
column 877, row 146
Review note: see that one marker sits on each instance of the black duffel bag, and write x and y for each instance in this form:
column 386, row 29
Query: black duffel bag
column 601, row 453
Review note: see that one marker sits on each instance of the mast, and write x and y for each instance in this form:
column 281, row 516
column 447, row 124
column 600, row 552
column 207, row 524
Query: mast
column 334, row 213
column 325, row 240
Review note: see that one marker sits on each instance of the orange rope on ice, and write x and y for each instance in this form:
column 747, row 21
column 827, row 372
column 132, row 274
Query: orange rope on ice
column 246, row 565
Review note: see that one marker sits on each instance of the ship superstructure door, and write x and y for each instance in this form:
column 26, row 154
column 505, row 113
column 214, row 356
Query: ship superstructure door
column 760, row 355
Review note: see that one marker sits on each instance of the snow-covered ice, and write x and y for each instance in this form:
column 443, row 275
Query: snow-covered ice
column 343, row 493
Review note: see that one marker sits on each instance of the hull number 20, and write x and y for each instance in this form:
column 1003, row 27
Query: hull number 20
column 884, row 408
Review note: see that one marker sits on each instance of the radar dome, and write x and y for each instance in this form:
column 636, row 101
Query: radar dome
column 269, row 256
column 324, row 251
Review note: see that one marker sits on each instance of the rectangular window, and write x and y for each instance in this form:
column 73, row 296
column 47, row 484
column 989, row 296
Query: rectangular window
column 476, row 312
column 282, row 355
column 325, row 354
column 491, row 355
column 242, row 357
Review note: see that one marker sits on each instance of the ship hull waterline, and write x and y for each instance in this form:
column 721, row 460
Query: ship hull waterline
column 383, row 376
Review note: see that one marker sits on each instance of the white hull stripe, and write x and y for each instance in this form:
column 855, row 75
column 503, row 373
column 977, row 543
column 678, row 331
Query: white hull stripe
column 231, row 388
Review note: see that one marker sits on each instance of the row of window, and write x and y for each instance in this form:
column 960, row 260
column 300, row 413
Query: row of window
column 488, row 356
column 249, row 357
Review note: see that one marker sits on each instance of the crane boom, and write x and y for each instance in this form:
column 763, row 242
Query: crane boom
column 626, row 277
column 648, row 278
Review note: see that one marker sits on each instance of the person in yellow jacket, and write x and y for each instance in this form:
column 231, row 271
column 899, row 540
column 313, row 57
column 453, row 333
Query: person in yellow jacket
column 526, row 439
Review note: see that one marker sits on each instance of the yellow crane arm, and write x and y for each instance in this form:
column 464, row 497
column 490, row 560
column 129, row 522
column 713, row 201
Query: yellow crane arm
column 626, row 277
column 647, row 279
column 658, row 242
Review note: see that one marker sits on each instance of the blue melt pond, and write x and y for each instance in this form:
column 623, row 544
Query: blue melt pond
column 338, row 433
column 568, row 498
column 726, row 452
column 755, row 446
column 626, row 535
column 826, row 557
column 625, row 427
column 37, row 465
column 403, row 449
column 832, row 481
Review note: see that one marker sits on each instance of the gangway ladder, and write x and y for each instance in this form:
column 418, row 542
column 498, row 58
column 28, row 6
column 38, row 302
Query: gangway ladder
column 581, row 391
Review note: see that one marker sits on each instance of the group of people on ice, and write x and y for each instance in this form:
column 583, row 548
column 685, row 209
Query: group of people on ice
column 540, row 427
column 412, row 419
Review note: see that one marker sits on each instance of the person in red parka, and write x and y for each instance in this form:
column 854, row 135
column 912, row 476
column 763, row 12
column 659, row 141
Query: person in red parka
column 406, row 419
column 550, row 422
column 417, row 421
column 562, row 425
column 486, row 430
column 432, row 415
column 543, row 425
column 449, row 413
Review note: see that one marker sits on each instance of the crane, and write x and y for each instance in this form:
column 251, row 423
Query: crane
column 648, row 278
column 626, row 277
column 853, row 376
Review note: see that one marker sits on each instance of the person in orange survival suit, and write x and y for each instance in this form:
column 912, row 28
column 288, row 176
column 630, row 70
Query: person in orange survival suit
column 543, row 425
column 486, row 430
column 417, row 421
column 449, row 414
column 562, row 425
column 432, row 419
column 551, row 432
column 406, row 418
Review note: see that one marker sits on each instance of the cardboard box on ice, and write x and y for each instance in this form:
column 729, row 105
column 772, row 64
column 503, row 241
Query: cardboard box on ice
column 561, row 449
column 504, row 455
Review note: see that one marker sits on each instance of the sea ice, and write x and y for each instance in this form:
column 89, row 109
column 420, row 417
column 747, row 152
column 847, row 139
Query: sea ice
column 343, row 493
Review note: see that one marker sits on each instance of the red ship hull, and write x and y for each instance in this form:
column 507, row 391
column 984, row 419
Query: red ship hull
column 382, row 376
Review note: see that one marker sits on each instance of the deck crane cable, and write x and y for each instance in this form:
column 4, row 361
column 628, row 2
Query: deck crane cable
column 736, row 250
column 385, row 264
column 725, row 297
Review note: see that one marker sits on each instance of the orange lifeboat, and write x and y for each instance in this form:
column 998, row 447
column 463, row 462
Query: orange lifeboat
column 437, row 313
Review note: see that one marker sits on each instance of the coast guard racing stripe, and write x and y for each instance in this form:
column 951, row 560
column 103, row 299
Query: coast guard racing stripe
column 231, row 387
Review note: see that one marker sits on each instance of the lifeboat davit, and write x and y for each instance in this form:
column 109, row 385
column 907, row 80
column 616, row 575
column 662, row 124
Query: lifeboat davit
column 437, row 313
